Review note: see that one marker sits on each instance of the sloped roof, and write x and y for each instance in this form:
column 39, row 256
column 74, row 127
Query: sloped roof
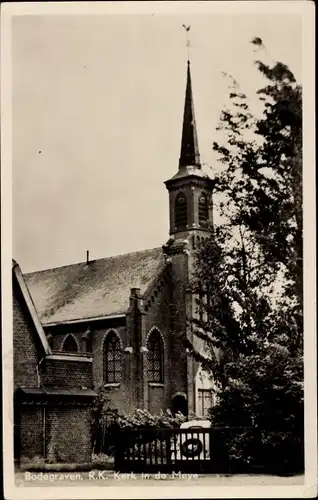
column 97, row 289
column 63, row 391
column 191, row 171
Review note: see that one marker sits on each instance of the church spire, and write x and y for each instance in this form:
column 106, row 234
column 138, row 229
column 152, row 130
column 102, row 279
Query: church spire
column 190, row 189
column 189, row 143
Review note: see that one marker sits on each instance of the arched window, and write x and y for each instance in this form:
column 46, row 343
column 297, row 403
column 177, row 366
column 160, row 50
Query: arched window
column 155, row 357
column 70, row 344
column 203, row 209
column 181, row 211
column 112, row 358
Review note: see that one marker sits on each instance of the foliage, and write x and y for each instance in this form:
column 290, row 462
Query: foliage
column 262, row 176
column 259, row 450
column 35, row 460
column 107, row 421
column 105, row 414
column 248, row 273
column 101, row 461
column 101, row 412
column 143, row 419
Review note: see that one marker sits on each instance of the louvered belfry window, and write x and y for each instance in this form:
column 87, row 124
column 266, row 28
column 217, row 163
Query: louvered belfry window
column 113, row 358
column 181, row 211
column 203, row 209
column 155, row 357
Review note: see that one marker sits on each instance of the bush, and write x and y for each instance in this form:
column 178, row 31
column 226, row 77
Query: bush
column 244, row 450
column 143, row 419
column 35, row 460
column 102, row 461
column 264, row 392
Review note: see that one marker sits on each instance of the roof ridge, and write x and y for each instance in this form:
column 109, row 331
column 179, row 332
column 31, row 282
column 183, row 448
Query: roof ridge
column 91, row 261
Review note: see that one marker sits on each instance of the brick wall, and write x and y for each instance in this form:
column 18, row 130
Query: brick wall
column 178, row 372
column 118, row 398
column 67, row 374
column 59, row 335
column 27, row 349
column 66, row 431
column 156, row 399
column 120, row 394
column 158, row 314
column 68, row 435
column 98, row 334
column 31, row 428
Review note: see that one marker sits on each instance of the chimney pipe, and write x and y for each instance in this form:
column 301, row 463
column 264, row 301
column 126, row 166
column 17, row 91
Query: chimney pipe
column 87, row 256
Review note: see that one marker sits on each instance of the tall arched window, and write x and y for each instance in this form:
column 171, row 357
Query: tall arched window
column 181, row 211
column 112, row 358
column 155, row 357
column 203, row 209
column 70, row 344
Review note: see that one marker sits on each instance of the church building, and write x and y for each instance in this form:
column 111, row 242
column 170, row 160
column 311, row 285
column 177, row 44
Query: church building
column 130, row 312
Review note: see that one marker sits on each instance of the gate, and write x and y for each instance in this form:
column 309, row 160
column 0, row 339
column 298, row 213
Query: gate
column 173, row 450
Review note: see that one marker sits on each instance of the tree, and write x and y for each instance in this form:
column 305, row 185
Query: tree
column 262, row 179
column 248, row 273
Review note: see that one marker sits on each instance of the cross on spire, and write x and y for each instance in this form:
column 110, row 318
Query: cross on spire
column 188, row 43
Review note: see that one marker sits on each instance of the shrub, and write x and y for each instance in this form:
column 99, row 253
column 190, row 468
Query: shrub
column 102, row 461
column 35, row 460
column 278, row 452
column 140, row 419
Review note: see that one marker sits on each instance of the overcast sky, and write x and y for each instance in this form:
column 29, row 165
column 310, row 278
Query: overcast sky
column 97, row 115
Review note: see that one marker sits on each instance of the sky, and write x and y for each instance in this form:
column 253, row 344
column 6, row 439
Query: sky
column 97, row 104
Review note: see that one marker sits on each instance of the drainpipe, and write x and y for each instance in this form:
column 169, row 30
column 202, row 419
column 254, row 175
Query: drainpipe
column 43, row 408
column 38, row 372
column 44, row 431
column 135, row 301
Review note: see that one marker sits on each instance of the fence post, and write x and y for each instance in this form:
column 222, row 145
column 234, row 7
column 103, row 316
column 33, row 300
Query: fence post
column 119, row 450
column 168, row 450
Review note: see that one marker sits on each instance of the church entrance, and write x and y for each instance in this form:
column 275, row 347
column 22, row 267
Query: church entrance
column 180, row 404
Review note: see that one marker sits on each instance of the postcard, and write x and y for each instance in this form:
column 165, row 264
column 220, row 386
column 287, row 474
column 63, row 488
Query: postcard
column 158, row 250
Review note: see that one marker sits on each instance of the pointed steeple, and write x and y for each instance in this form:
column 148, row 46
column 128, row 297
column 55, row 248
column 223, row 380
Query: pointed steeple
column 189, row 155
